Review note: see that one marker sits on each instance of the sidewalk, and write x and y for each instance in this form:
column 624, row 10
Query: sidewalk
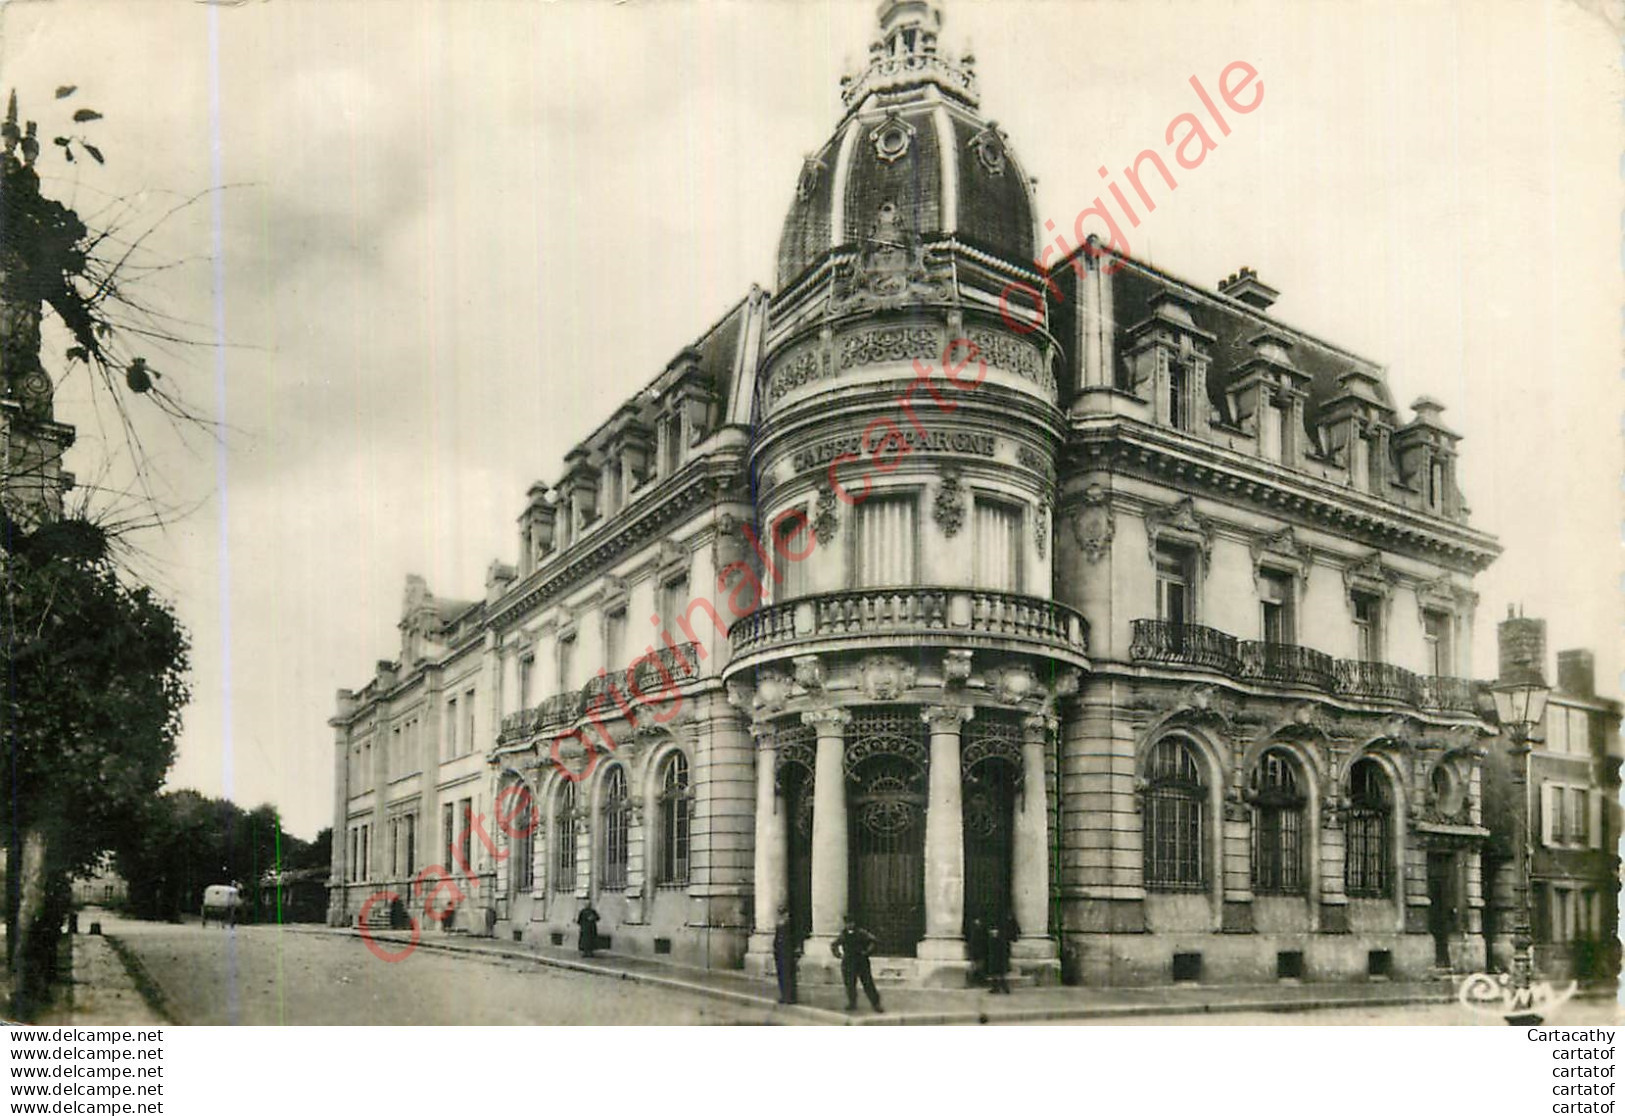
column 104, row 993
column 825, row 1003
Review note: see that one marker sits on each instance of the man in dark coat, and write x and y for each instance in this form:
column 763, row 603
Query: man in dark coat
column 997, row 958
column 786, row 952
column 587, row 920
column 853, row 945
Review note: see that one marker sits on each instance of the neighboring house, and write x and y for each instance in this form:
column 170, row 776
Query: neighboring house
column 299, row 895
column 1574, row 823
column 1147, row 630
column 102, row 888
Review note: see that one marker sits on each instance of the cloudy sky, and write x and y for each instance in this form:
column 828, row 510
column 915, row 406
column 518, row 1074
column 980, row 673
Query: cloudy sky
column 438, row 242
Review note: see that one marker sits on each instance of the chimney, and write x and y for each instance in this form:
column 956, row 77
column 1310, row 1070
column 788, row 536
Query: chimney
column 1244, row 285
column 1522, row 643
column 1577, row 673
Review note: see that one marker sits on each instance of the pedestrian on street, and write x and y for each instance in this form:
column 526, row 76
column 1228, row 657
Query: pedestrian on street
column 587, row 920
column 853, row 945
column 998, row 958
column 786, row 953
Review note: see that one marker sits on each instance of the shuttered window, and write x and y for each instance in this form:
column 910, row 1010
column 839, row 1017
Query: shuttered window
column 887, row 537
column 997, row 546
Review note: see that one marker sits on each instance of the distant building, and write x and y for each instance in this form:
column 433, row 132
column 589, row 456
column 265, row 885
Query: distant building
column 1574, row 820
column 1145, row 631
column 297, row 895
column 102, row 888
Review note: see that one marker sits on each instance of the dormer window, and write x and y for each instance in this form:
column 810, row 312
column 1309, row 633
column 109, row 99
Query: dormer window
column 1178, row 388
column 671, row 429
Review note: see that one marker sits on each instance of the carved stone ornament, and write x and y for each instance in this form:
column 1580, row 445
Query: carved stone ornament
column 1281, row 550
column 824, row 520
column 614, row 589
column 741, row 696
column 807, row 181
column 892, row 138
column 670, row 556
column 1014, row 684
column 1041, row 528
column 885, row 677
column 956, row 668
column 892, row 269
column 772, row 690
column 801, row 366
column 1093, row 523
column 728, row 544
column 989, row 145
column 1183, row 523
column 1443, row 595
column 809, row 673
column 1369, row 575
column 1307, row 721
column 949, row 507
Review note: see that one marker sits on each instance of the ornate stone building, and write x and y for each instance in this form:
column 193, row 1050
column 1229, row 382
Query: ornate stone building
column 1142, row 626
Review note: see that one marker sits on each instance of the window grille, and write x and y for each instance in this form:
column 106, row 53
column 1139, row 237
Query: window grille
column 1366, row 862
column 617, row 826
column 674, row 805
column 1278, row 810
column 521, row 824
column 1175, row 807
column 564, row 839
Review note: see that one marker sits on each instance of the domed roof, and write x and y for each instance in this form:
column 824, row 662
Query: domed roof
column 911, row 157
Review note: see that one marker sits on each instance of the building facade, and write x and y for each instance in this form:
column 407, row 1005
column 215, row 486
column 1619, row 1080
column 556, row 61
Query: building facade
column 1138, row 621
column 1573, row 820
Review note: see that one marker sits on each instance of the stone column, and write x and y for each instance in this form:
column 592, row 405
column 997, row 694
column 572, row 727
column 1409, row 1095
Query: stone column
column 944, row 839
column 1031, row 868
column 829, row 851
column 771, row 880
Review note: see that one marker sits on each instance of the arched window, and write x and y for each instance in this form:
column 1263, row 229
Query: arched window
column 1278, row 810
column 1175, row 809
column 674, row 804
column 564, row 838
column 1370, row 815
column 617, row 821
column 520, row 813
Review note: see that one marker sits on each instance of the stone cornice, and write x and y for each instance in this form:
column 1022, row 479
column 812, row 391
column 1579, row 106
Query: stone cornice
column 691, row 488
column 1149, row 452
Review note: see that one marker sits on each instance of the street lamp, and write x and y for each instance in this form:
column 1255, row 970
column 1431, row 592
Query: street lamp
column 1520, row 703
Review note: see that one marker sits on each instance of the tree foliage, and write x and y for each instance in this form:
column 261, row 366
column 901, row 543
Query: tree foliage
column 183, row 842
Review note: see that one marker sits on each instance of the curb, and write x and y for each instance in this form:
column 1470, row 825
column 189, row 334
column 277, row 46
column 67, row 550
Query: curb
column 808, row 1013
column 655, row 980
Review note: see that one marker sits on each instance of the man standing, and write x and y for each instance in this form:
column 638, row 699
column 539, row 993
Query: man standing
column 853, row 945
column 786, row 952
column 587, row 920
column 997, row 958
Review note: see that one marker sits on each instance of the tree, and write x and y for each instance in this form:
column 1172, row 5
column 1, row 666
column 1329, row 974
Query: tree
column 92, row 706
column 96, row 668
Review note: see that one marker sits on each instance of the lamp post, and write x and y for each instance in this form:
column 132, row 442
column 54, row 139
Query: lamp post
column 1520, row 703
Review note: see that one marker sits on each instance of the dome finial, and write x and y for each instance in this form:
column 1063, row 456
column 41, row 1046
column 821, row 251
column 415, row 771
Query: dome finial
column 906, row 53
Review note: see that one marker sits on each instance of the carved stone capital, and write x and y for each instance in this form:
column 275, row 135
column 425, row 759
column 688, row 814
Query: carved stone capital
column 1038, row 728
column 827, row 722
column 946, row 718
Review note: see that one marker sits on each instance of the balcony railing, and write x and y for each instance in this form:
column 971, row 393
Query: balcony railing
column 1458, row 695
column 647, row 677
column 911, row 612
column 1287, row 663
column 1160, row 641
column 1383, row 681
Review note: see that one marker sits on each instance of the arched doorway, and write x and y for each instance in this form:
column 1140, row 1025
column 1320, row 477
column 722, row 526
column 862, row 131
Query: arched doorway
column 886, row 782
column 990, row 768
column 795, row 785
